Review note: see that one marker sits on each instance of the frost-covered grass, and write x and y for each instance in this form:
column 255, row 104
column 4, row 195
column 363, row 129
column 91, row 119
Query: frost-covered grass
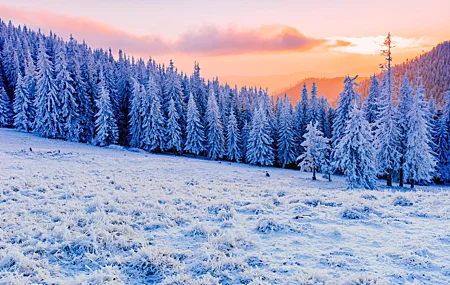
column 77, row 214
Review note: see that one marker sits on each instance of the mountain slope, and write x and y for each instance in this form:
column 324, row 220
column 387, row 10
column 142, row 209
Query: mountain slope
column 329, row 87
column 433, row 66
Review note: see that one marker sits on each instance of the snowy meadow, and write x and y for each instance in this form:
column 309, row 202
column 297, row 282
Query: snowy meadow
column 73, row 213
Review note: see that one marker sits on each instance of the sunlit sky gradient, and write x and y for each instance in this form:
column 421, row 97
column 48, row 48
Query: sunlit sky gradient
column 246, row 38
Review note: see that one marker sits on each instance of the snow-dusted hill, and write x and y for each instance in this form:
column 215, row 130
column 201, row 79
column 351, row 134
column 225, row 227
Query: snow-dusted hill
column 73, row 213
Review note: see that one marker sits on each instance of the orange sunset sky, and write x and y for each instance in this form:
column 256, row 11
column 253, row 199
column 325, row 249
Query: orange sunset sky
column 232, row 38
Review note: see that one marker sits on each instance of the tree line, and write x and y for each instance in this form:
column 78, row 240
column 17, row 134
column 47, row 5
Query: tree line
column 66, row 90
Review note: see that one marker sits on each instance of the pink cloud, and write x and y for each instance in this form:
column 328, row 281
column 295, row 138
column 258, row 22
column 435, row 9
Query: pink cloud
column 208, row 41
column 266, row 39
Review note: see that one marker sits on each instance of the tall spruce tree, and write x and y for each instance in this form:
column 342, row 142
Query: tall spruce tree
column 404, row 106
column 259, row 144
column 442, row 142
column 357, row 152
column 64, row 86
column 22, row 106
column 105, row 122
column 154, row 122
column 285, row 134
column 194, row 129
column 5, row 108
column 215, row 138
column 346, row 101
column 173, row 129
column 234, row 152
column 316, row 147
column 47, row 122
column 135, row 114
column 419, row 159
column 371, row 106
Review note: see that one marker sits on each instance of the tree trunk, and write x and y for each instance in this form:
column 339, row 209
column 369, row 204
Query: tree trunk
column 389, row 178
column 412, row 183
column 314, row 173
column 401, row 173
column 329, row 177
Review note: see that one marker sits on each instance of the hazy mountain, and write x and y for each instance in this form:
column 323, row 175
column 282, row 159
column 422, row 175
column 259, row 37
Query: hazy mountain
column 433, row 66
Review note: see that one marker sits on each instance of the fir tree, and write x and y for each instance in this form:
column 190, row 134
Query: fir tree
column 66, row 92
column 419, row 160
column 215, row 139
column 136, row 114
column 259, row 145
column 442, row 149
column 342, row 115
column 5, row 108
column 173, row 129
column 194, row 129
column 387, row 136
column 153, row 124
column 404, row 105
column 371, row 107
column 234, row 152
column 285, row 143
column 313, row 105
column 105, row 122
column 48, row 108
column 22, row 105
column 356, row 151
column 316, row 148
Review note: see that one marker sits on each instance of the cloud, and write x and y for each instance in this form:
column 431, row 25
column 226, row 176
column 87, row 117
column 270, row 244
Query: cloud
column 95, row 33
column 207, row 41
column 372, row 45
column 266, row 39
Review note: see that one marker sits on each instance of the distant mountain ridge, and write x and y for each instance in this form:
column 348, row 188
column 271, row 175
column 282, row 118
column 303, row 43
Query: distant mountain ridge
column 434, row 67
column 329, row 87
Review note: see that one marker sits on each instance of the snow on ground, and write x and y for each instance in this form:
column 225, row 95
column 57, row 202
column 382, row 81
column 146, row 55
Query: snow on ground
column 73, row 213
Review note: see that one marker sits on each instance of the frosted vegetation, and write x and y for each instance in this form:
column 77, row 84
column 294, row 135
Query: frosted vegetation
column 78, row 214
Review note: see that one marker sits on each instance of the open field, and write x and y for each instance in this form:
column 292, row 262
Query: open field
column 73, row 213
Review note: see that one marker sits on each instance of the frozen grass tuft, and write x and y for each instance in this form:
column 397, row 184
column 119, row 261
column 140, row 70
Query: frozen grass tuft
column 402, row 201
column 268, row 225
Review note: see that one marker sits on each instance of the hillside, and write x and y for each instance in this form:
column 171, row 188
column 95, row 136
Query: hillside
column 330, row 87
column 78, row 214
column 433, row 66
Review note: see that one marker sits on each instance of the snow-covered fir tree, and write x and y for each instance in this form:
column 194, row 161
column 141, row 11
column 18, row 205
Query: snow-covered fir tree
column 173, row 129
column 371, row 106
column 234, row 152
column 404, row 106
column 105, row 121
column 356, row 151
column 316, row 147
column 419, row 159
column 69, row 108
column 313, row 115
column 5, row 108
column 285, row 134
column 22, row 106
column 441, row 138
column 194, row 129
column 48, row 107
column 387, row 135
column 214, row 131
column 135, row 115
column 341, row 117
column 259, row 144
column 153, row 123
